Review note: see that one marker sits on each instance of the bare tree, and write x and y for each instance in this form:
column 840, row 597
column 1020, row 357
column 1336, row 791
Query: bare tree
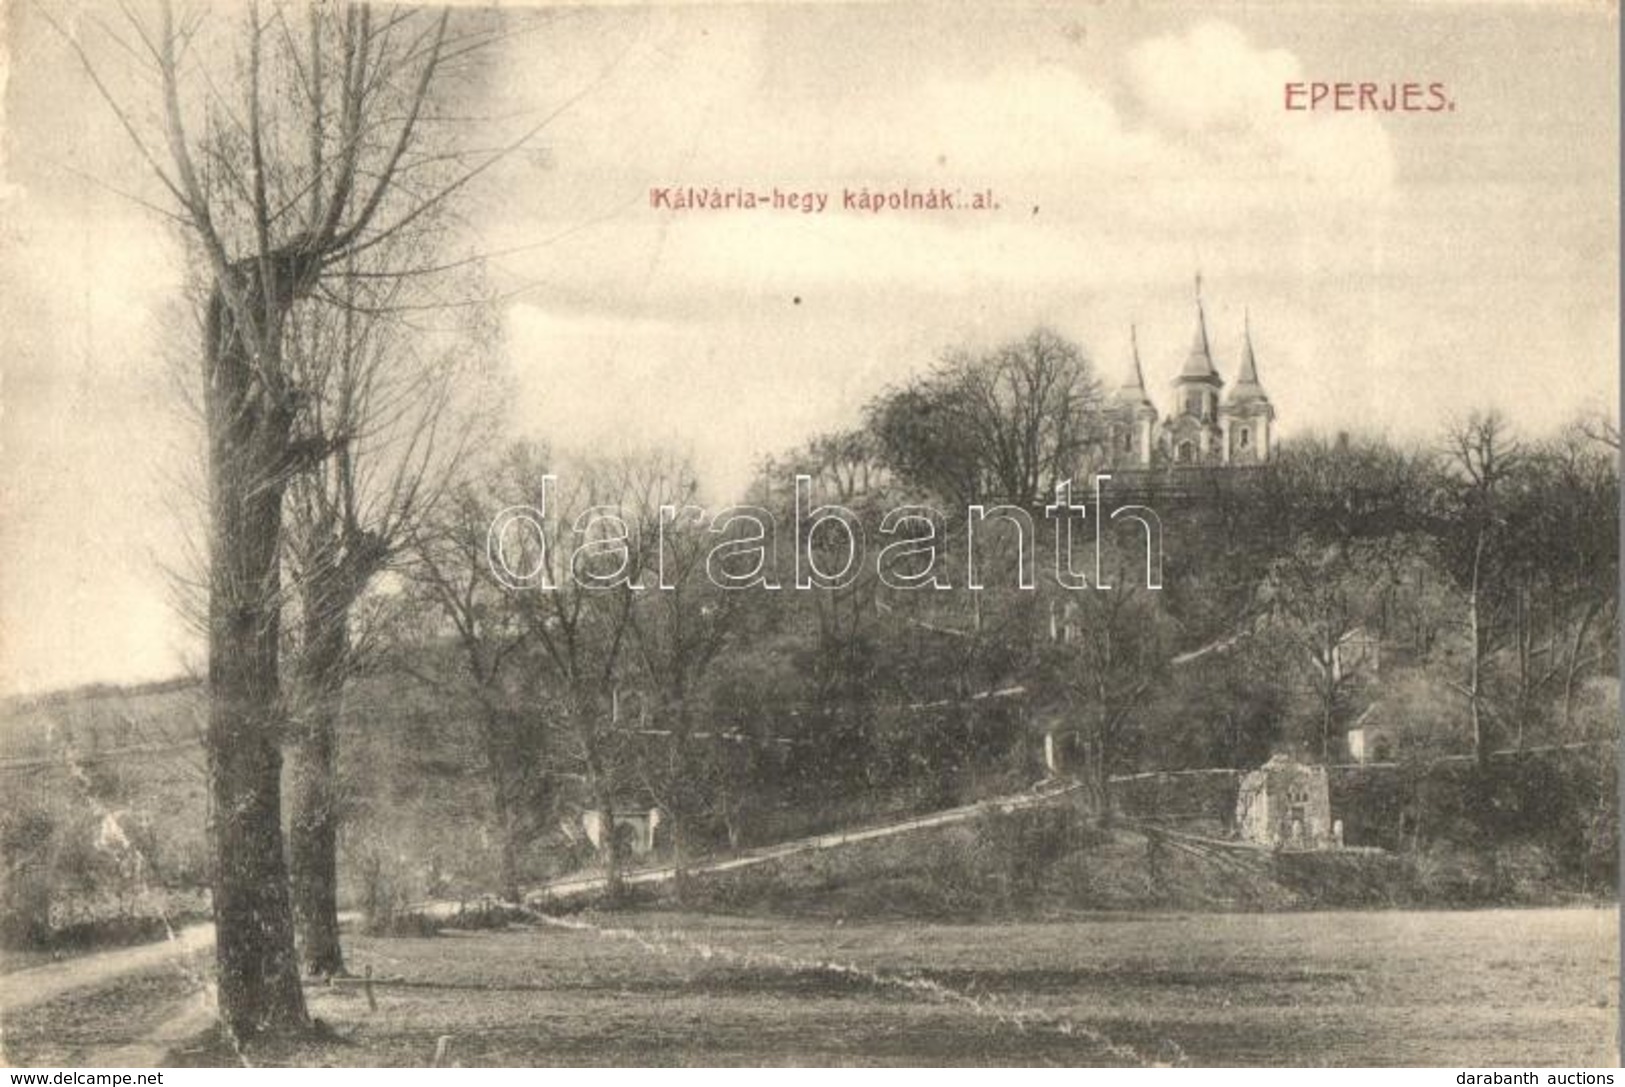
column 1003, row 426
column 1481, row 457
column 403, row 414
column 1106, row 652
column 310, row 151
column 1562, row 546
column 676, row 631
column 578, row 632
column 1327, row 599
column 456, row 595
column 545, row 656
column 1602, row 429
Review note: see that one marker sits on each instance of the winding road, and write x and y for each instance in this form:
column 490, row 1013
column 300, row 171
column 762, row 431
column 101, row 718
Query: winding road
column 174, row 1019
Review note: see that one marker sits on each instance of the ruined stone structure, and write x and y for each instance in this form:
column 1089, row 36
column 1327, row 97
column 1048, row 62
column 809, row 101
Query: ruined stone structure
column 1286, row 804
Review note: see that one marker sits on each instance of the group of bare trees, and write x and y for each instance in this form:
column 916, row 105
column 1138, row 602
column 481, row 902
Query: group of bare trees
column 894, row 669
column 1486, row 557
column 586, row 682
column 410, row 412
column 1479, row 562
column 310, row 158
column 1000, row 425
column 304, row 157
column 1530, row 539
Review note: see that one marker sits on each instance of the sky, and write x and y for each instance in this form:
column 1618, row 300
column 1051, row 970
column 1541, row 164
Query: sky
column 1397, row 270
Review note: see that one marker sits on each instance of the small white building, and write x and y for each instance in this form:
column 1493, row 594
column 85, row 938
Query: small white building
column 632, row 830
column 1370, row 738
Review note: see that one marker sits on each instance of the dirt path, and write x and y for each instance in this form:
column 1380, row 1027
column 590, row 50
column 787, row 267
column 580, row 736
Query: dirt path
column 95, row 976
column 124, row 1008
column 37, row 984
column 571, row 886
column 566, row 888
column 181, row 1022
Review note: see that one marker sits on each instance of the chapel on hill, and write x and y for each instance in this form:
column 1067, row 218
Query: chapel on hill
column 1208, row 425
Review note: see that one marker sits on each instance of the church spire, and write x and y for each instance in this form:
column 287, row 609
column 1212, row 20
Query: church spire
column 1132, row 391
column 1247, row 385
column 1199, row 363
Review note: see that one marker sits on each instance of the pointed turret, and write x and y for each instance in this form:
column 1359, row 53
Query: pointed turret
column 1198, row 381
column 1199, row 363
column 1247, row 386
column 1247, row 415
column 1131, row 393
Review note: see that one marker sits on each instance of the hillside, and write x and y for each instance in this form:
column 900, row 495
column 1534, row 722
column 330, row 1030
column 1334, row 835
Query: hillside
column 1052, row 860
column 109, row 813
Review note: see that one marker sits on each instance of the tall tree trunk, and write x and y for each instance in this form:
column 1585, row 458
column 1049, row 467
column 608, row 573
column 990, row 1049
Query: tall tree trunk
column 1574, row 663
column 614, row 877
column 1330, row 666
column 1094, row 754
column 314, row 820
column 603, row 794
column 508, row 873
column 249, row 463
column 683, row 786
column 502, row 753
column 1327, row 712
column 1481, row 748
column 681, row 878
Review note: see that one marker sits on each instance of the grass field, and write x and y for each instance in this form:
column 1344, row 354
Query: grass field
column 1486, row 989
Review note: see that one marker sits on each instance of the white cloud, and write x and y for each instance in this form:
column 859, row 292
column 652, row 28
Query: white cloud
column 695, row 103
column 1210, row 80
column 1212, row 89
column 1194, row 157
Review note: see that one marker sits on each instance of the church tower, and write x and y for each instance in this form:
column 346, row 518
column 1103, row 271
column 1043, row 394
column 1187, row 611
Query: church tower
column 1133, row 415
column 1211, row 425
column 1247, row 413
column 1194, row 436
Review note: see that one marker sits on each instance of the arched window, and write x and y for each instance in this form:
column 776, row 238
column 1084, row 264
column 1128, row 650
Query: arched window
column 1246, row 437
column 1128, row 441
column 1185, row 452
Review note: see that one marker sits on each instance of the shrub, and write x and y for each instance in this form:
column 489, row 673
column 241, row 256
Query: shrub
column 384, row 894
column 25, row 897
column 486, row 914
column 402, row 924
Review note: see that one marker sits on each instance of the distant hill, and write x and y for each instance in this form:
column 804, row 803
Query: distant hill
column 99, row 719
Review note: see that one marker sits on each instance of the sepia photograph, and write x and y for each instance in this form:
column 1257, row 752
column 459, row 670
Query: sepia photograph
column 799, row 534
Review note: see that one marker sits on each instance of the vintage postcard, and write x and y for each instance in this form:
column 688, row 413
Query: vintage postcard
column 1046, row 534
